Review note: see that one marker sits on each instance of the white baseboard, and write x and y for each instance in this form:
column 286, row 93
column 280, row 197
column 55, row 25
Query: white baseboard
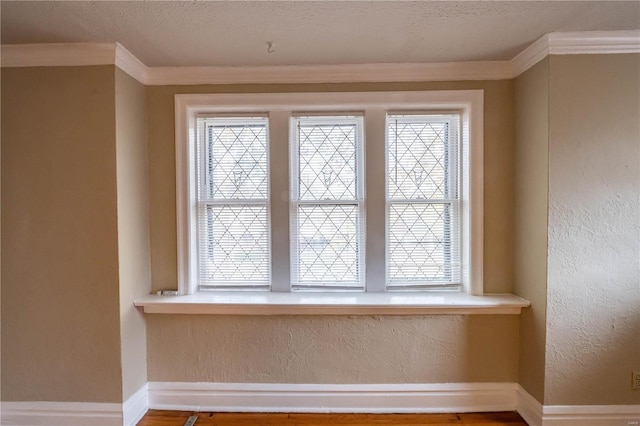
column 528, row 407
column 266, row 397
column 536, row 414
column 136, row 406
column 61, row 413
column 35, row 413
column 376, row 398
column 591, row 415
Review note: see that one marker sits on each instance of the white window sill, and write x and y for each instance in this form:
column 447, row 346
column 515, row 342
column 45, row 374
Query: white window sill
column 335, row 304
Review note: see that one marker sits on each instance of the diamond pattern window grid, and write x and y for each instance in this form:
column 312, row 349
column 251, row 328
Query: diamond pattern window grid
column 327, row 161
column 236, row 243
column 233, row 216
column 237, row 161
column 418, row 160
column 328, row 244
column 423, row 215
column 327, row 235
column 420, row 243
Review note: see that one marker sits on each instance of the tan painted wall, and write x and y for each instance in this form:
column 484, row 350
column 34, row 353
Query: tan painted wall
column 75, row 147
column 530, row 233
column 308, row 349
column 593, row 327
column 60, row 331
column 73, row 182
column 326, row 349
column 133, row 226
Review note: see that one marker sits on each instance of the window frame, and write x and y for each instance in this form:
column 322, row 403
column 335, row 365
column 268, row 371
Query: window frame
column 432, row 116
column 358, row 200
column 202, row 187
column 375, row 106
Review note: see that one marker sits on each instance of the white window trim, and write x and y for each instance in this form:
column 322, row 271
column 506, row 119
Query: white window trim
column 219, row 201
column 270, row 303
column 374, row 104
column 455, row 201
column 357, row 200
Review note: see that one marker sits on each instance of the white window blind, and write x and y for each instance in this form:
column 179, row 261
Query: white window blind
column 233, row 236
column 423, row 201
column 327, row 203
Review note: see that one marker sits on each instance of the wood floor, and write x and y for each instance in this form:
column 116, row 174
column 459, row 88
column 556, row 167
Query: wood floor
column 178, row 418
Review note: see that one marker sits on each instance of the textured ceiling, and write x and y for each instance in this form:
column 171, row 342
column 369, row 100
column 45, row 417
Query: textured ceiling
column 182, row 33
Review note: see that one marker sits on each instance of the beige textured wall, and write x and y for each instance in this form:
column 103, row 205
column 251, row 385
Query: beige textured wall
column 133, row 226
column 530, row 233
column 309, row 349
column 74, row 253
column 60, row 332
column 368, row 349
column 593, row 327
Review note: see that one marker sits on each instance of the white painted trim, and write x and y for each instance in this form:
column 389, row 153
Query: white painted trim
column 301, row 303
column 530, row 56
column 576, row 43
column 318, row 398
column 328, row 101
column 279, row 210
column 596, row 410
column 76, row 413
column 128, row 63
column 528, row 407
column 594, row 42
column 469, row 102
column 73, row 54
column 185, row 142
column 536, row 414
column 61, row 413
column 357, row 120
column 347, row 73
column 136, row 406
column 77, row 54
column 58, row 54
column 373, row 398
column 590, row 415
column 473, row 193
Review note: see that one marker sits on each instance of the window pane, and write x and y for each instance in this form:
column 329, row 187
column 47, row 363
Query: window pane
column 420, row 243
column 327, row 161
column 422, row 218
column 236, row 159
column 328, row 245
column 418, row 158
column 234, row 245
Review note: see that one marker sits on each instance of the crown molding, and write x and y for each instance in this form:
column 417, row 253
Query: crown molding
column 57, row 54
column 348, row 73
column 73, row 54
column 530, row 56
column 576, row 43
column 594, row 42
column 128, row 63
column 78, row 54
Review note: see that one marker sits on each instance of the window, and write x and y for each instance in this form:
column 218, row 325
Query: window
column 356, row 192
column 232, row 212
column 423, row 206
column 327, row 203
